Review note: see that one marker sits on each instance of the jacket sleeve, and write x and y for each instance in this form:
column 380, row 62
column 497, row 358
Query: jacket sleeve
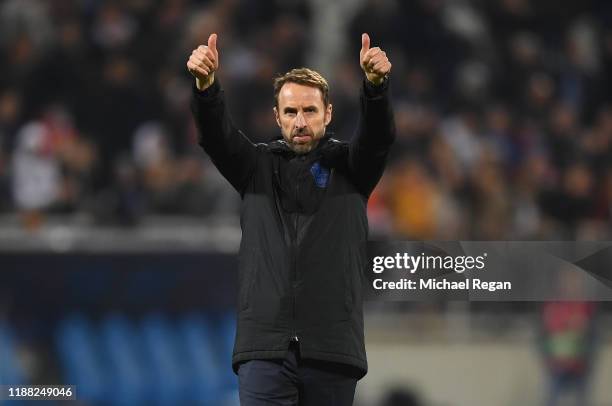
column 229, row 149
column 369, row 147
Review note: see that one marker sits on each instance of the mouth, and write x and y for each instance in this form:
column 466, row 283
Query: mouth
column 301, row 139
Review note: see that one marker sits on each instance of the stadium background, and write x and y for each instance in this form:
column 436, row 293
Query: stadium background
column 117, row 235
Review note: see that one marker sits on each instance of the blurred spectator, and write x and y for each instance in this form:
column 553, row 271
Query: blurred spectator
column 113, row 27
column 50, row 166
column 572, row 202
column 157, row 167
column 490, row 198
column 414, row 201
column 461, row 133
column 568, row 341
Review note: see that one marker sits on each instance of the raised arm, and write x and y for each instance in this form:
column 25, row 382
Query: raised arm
column 229, row 149
column 370, row 145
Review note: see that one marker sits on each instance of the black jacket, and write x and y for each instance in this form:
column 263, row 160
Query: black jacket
column 304, row 225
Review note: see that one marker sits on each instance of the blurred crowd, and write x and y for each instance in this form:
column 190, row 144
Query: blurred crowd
column 503, row 108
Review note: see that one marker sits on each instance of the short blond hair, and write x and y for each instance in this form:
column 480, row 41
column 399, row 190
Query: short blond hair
column 302, row 76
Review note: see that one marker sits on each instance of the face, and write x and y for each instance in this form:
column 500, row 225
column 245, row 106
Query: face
column 302, row 116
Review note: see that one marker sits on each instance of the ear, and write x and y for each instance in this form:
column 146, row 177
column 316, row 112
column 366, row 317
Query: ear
column 328, row 114
column 277, row 117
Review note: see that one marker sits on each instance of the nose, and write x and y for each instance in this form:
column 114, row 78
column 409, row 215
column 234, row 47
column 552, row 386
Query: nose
column 300, row 121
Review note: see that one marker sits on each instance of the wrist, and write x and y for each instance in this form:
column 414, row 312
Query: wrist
column 375, row 90
column 203, row 84
column 376, row 80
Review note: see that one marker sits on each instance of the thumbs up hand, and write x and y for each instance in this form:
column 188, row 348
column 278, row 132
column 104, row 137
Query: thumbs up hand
column 373, row 61
column 203, row 63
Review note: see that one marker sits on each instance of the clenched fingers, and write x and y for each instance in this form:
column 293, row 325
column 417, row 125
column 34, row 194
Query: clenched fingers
column 372, row 53
column 212, row 54
column 382, row 67
column 203, row 62
column 197, row 69
column 381, row 57
column 207, row 56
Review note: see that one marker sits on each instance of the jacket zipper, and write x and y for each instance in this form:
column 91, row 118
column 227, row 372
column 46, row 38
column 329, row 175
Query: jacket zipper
column 294, row 336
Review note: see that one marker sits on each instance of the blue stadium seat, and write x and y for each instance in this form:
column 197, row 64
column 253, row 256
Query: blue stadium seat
column 226, row 336
column 124, row 358
column 197, row 341
column 163, row 360
column 79, row 356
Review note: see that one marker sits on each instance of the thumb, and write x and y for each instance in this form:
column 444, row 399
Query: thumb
column 365, row 43
column 212, row 42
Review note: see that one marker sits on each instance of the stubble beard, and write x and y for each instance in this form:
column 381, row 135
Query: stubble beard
column 304, row 148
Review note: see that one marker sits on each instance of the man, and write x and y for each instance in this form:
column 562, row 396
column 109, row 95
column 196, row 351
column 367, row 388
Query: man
column 299, row 338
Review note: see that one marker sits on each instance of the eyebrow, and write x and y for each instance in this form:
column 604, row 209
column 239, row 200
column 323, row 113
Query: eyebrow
column 293, row 109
